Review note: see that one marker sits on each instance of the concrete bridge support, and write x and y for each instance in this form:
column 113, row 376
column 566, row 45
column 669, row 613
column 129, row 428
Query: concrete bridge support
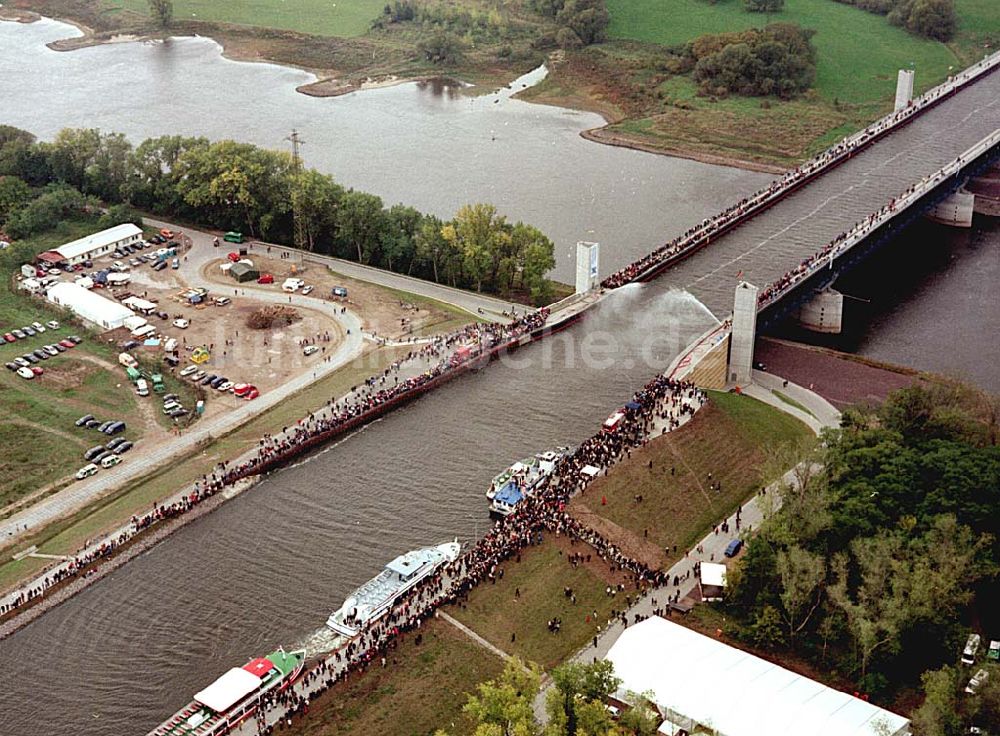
column 587, row 263
column 744, row 334
column 823, row 313
column 956, row 210
column 986, row 188
column 904, row 88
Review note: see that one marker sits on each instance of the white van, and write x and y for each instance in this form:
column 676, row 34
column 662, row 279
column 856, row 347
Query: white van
column 110, row 461
column 127, row 360
column 141, row 387
column 971, row 647
column 292, row 284
column 170, row 345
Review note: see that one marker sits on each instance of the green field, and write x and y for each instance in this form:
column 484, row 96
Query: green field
column 345, row 18
column 858, row 53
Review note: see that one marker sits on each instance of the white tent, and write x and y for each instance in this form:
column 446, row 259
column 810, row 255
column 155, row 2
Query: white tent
column 225, row 692
column 139, row 304
column 89, row 306
column 698, row 680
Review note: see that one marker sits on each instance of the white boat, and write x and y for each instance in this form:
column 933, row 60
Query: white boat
column 528, row 472
column 374, row 599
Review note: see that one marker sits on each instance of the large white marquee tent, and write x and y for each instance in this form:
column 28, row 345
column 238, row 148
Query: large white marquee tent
column 698, row 681
column 89, row 306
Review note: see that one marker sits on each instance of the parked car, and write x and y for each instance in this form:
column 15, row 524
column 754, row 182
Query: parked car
column 162, row 315
column 30, row 357
column 39, row 327
column 171, row 360
column 21, row 362
column 252, row 394
column 141, row 387
column 86, row 471
column 92, row 424
column 75, row 339
column 28, row 331
column 36, row 370
column 265, row 278
column 157, row 239
column 310, row 350
column 53, row 324
column 240, row 389
column 115, row 428
column 225, row 386
column 734, row 547
column 114, row 444
column 11, row 366
column 977, row 681
column 208, row 379
column 134, row 262
column 66, row 344
column 50, row 349
column 119, row 267
column 102, row 454
column 124, row 447
column 175, row 264
column 181, row 323
column 93, row 451
column 103, row 426
column 169, row 397
column 84, row 419
column 166, row 233
column 59, row 348
column 170, row 406
column 9, row 337
column 178, row 412
column 110, row 461
column 221, row 301
column 25, row 373
column 41, row 354
column 200, row 374
column 189, row 370
column 18, row 334
column 339, row 291
column 218, row 382
column 307, row 289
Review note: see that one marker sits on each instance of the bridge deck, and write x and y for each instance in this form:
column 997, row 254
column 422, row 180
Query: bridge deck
column 798, row 226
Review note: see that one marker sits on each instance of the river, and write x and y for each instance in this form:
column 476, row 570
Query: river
column 267, row 568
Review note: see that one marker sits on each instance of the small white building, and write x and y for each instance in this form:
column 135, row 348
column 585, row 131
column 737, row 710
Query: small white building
column 99, row 244
column 699, row 682
column 89, row 306
column 140, row 305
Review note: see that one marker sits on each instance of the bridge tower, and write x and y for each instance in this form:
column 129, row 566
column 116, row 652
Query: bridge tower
column 904, row 88
column 587, row 260
column 744, row 334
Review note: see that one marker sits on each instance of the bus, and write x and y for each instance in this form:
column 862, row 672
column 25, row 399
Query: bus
column 233, row 237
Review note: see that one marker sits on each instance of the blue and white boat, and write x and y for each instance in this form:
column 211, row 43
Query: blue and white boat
column 375, row 598
column 527, row 472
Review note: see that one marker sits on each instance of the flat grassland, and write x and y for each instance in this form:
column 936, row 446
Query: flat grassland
column 422, row 688
column 344, row 18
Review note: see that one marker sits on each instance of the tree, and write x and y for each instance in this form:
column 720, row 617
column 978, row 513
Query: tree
column 361, row 224
column 588, row 19
column 14, row 193
column 48, row 210
column 478, row 233
column 802, row 574
column 318, row 197
column 504, row 706
column 119, row 214
column 441, row 48
column 938, row 715
column 162, row 11
column 578, row 685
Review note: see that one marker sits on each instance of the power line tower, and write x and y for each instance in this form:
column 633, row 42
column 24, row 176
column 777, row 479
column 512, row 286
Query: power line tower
column 301, row 240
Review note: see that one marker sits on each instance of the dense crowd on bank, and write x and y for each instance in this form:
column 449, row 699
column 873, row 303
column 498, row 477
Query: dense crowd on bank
column 750, row 206
column 374, row 394
column 660, row 403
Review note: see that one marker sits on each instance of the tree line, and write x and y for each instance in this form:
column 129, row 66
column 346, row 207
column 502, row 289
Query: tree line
column 239, row 186
column 928, row 18
column 874, row 567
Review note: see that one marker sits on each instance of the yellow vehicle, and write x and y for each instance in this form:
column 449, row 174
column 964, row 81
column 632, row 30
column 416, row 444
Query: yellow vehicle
column 200, row 355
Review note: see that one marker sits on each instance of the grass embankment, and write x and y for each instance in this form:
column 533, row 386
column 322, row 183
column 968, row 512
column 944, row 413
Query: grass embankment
column 858, row 54
column 729, row 438
column 38, row 415
column 67, row 535
column 422, row 688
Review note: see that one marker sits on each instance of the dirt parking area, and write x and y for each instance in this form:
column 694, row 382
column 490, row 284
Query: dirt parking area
column 265, row 358
column 386, row 312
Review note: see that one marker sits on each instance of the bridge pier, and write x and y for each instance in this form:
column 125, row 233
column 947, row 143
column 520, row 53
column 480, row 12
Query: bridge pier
column 744, row 334
column 587, row 260
column 986, row 188
column 904, row 89
column 823, row 313
column 955, row 211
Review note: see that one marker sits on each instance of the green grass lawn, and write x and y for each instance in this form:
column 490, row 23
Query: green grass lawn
column 495, row 612
column 422, row 688
column 858, row 53
column 728, row 438
column 344, row 18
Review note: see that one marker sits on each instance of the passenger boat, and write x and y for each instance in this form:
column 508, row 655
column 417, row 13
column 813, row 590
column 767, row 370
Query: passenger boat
column 234, row 697
column 374, row 599
column 527, row 472
column 518, row 481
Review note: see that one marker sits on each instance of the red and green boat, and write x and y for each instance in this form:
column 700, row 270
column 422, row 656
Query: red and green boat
column 234, row 697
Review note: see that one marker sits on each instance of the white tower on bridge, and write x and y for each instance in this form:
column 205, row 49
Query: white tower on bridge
column 904, row 88
column 743, row 335
column 587, row 262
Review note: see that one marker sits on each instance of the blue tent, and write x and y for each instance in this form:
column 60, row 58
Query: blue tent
column 509, row 494
column 633, row 406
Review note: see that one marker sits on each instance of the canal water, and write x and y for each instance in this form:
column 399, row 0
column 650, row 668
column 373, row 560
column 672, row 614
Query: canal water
column 267, row 568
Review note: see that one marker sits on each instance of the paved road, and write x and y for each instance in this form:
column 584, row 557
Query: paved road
column 143, row 459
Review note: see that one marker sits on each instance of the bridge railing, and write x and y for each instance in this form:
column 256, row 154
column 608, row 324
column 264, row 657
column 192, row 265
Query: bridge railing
column 775, row 291
column 702, row 234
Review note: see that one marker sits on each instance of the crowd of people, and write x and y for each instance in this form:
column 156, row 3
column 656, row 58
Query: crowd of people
column 848, row 238
column 752, row 205
column 659, row 402
column 374, row 396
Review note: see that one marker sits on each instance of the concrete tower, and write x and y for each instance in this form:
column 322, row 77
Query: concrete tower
column 904, row 88
column 744, row 334
column 587, row 260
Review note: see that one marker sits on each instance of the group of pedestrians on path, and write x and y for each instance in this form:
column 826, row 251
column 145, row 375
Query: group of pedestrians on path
column 364, row 401
column 752, row 205
column 659, row 403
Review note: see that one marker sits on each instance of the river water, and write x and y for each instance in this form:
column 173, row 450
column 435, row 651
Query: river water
column 267, row 568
